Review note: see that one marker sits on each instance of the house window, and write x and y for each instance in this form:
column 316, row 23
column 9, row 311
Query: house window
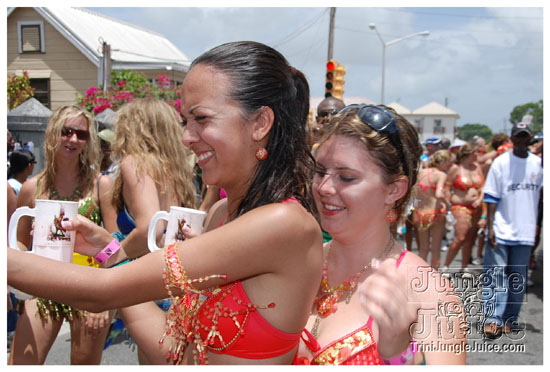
column 419, row 125
column 42, row 91
column 30, row 37
column 438, row 129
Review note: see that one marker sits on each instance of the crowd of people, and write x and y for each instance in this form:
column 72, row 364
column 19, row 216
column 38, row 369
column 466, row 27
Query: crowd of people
column 299, row 259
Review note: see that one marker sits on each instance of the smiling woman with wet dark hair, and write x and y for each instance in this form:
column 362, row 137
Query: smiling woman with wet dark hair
column 242, row 290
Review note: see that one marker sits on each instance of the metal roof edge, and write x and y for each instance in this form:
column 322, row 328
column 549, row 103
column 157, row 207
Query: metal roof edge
column 70, row 36
column 112, row 19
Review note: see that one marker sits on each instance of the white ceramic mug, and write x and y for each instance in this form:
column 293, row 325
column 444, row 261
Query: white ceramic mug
column 177, row 218
column 50, row 239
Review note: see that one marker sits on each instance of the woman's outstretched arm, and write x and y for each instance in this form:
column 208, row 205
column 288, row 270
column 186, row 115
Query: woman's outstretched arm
column 273, row 239
column 87, row 288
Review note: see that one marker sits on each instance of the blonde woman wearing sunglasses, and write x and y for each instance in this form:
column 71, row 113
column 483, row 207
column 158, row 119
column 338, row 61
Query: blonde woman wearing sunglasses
column 71, row 152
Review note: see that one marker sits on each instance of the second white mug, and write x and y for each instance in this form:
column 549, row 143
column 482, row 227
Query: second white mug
column 177, row 218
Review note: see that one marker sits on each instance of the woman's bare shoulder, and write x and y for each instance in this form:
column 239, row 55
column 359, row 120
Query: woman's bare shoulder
column 215, row 215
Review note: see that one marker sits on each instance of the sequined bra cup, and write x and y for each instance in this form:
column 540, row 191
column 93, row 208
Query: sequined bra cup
column 355, row 348
column 241, row 330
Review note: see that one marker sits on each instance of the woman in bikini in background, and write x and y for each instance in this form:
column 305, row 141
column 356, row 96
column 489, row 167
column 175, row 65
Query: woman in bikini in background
column 431, row 207
column 465, row 180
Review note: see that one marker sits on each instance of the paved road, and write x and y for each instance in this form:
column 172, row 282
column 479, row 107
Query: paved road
column 521, row 348
column 529, row 344
column 121, row 352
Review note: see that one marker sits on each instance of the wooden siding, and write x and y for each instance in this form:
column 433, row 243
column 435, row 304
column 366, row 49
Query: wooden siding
column 71, row 72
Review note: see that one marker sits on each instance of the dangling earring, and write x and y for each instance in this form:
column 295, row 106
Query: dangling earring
column 391, row 216
column 261, row 154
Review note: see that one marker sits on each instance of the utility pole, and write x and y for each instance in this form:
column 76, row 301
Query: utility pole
column 331, row 33
column 106, row 67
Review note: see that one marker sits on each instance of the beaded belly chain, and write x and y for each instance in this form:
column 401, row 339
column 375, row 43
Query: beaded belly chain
column 183, row 322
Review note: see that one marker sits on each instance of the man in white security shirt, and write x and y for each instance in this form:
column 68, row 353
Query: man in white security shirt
column 512, row 193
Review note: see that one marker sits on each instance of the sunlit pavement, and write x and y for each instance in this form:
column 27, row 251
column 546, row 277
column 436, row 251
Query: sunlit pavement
column 523, row 347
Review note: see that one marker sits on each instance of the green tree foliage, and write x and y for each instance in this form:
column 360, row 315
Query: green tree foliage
column 467, row 131
column 534, row 109
column 133, row 81
column 19, row 90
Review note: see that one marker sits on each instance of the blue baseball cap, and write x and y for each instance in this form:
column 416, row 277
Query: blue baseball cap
column 433, row 141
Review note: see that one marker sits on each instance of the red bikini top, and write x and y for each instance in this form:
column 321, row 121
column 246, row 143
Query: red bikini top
column 238, row 328
column 462, row 182
column 423, row 186
column 355, row 348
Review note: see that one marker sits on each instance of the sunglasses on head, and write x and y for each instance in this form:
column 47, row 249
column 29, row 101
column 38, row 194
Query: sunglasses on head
column 82, row 135
column 381, row 121
column 325, row 113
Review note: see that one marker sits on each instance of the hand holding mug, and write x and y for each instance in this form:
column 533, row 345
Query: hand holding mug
column 90, row 238
column 183, row 223
column 50, row 238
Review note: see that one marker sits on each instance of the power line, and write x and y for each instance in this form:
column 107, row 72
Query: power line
column 441, row 42
column 294, row 34
column 317, row 43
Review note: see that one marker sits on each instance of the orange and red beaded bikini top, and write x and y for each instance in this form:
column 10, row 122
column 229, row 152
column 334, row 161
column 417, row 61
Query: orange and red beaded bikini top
column 220, row 320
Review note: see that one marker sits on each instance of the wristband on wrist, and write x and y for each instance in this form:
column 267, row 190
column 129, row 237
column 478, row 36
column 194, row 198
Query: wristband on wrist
column 118, row 236
column 108, row 251
column 484, row 217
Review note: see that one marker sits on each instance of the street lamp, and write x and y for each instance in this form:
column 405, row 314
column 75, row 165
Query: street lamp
column 372, row 26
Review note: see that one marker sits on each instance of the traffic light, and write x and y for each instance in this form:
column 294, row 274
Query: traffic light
column 330, row 78
column 338, row 84
column 334, row 86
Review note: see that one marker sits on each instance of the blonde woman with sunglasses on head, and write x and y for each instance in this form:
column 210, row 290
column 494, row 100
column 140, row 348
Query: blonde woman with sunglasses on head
column 377, row 303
